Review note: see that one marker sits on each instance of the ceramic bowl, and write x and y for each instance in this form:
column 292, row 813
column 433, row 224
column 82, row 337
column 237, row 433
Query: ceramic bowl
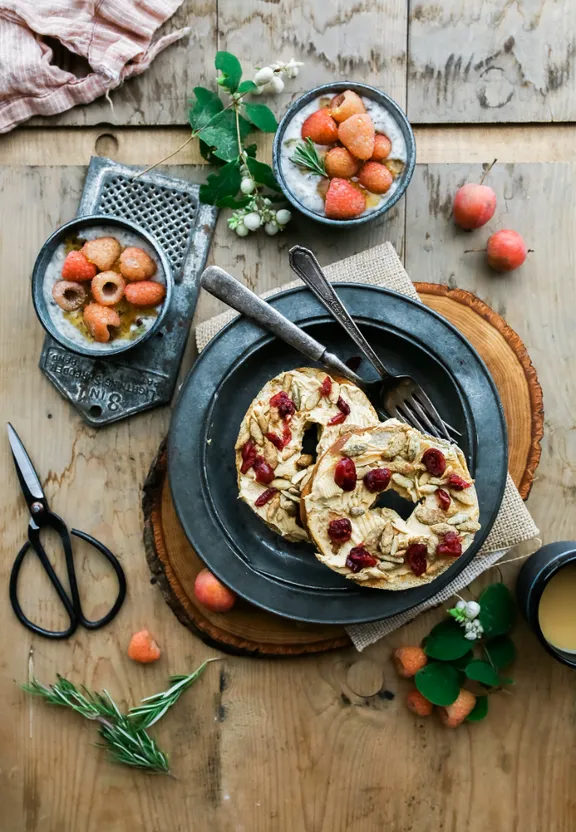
column 75, row 228
column 532, row 580
column 399, row 117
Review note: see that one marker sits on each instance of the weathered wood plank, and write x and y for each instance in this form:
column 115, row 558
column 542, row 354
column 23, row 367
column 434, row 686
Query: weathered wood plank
column 160, row 95
column 363, row 41
column 495, row 61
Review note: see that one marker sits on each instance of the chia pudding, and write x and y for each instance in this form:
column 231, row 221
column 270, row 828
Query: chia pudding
column 135, row 320
column 310, row 188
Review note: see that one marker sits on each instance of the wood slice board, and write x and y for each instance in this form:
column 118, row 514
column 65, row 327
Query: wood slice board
column 247, row 630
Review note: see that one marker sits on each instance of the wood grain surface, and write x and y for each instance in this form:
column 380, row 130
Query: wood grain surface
column 324, row 743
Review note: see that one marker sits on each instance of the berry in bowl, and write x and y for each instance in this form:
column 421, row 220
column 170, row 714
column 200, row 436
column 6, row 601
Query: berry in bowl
column 101, row 285
column 344, row 153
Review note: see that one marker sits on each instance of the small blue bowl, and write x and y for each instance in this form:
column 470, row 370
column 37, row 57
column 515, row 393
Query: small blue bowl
column 44, row 259
column 368, row 92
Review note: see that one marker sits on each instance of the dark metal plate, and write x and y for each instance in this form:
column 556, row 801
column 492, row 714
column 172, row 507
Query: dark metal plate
column 282, row 577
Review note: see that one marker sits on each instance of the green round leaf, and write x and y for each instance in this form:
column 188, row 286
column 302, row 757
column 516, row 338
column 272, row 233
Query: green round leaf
column 497, row 610
column 463, row 662
column 438, row 683
column 261, row 117
column 262, row 173
column 247, row 86
column 446, row 642
column 229, row 66
column 480, row 671
column 480, row 709
column 500, row 651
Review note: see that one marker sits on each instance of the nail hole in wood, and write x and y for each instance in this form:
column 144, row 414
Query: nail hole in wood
column 106, row 145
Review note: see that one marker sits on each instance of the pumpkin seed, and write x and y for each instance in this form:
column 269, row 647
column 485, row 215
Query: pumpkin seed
column 255, row 432
column 461, row 517
column 356, row 511
column 354, row 449
column 304, row 460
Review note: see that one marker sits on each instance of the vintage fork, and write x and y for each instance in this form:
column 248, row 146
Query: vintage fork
column 400, row 396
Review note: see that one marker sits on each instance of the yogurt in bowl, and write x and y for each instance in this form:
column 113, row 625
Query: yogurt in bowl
column 310, row 190
column 135, row 322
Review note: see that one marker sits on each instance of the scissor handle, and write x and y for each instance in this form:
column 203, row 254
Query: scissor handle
column 71, row 604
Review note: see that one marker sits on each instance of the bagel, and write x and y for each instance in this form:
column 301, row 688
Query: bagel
column 375, row 546
column 272, row 468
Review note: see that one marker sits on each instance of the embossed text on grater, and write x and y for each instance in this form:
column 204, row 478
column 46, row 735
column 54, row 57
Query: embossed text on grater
column 165, row 212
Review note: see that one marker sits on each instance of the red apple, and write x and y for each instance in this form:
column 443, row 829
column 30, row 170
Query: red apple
column 474, row 205
column 212, row 593
column 506, row 250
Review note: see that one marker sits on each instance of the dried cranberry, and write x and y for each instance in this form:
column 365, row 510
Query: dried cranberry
column 286, row 435
column 451, row 545
column 284, row 403
column 264, row 472
column 343, row 406
column 340, row 531
column 327, row 386
column 354, row 362
column 265, row 497
column 416, row 558
column 359, row 558
column 248, row 456
column 345, row 474
column 457, row 483
column 275, row 439
column 377, row 480
column 444, row 499
column 434, row 462
column 338, row 419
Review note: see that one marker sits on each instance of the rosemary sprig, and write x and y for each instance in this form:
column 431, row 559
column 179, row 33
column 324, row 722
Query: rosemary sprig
column 153, row 708
column 124, row 735
column 306, row 156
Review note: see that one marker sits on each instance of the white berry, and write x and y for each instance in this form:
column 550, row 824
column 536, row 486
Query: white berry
column 283, row 216
column 461, row 605
column 252, row 221
column 276, row 83
column 292, row 71
column 264, row 76
column 241, row 230
column 472, row 609
column 247, row 186
column 471, row 636
column 271, row 228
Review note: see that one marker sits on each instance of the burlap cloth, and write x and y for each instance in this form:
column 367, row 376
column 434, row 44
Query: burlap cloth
column 381, row 266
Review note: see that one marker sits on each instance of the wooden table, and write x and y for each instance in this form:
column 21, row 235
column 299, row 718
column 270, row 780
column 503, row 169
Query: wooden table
column 299, row 745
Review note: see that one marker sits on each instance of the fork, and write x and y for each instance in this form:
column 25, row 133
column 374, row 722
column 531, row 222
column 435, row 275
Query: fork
column 400, row 396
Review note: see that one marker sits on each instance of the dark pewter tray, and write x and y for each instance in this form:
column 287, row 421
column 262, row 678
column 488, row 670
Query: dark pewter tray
column 282, row 577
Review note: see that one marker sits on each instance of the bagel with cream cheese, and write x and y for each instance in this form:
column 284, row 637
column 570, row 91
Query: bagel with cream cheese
column 374, row 546
column 272, row 468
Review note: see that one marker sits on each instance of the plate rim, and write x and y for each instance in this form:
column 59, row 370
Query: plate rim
column 445, row 578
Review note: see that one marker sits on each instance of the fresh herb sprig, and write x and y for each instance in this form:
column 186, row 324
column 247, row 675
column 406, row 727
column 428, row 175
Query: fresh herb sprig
column 306, row 156
column 124, row 735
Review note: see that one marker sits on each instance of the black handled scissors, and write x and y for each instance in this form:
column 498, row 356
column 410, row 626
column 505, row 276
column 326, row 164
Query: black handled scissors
column 42, row 518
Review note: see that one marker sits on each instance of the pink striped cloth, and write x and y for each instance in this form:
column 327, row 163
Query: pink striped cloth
column 114, row 36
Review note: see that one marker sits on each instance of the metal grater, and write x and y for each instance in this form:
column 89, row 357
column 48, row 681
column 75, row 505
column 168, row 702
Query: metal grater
column 105, row 390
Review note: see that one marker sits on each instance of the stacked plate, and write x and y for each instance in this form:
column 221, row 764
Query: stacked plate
column 283, row 577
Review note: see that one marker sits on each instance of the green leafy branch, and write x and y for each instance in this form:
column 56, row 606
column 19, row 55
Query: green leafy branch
column 453, row 655
column 124, row 735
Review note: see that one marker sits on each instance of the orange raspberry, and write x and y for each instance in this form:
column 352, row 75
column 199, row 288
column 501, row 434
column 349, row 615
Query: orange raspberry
column 320, row 127
column 145, row 293
column 98, row 318
column 108, row 288
column 382, row 147
column 103, row 252
column 76, row 267
column 143, row 648
column 357, row 134
column 375, row 177
column 68, row 294
column 346, row 104
column 418, row 704
column 452, row 715
column 408, row 660
column 340, row 162
column 136, row 264
column 343, row 200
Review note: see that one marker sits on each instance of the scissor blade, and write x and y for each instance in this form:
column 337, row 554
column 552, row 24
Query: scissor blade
column 26, row 474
